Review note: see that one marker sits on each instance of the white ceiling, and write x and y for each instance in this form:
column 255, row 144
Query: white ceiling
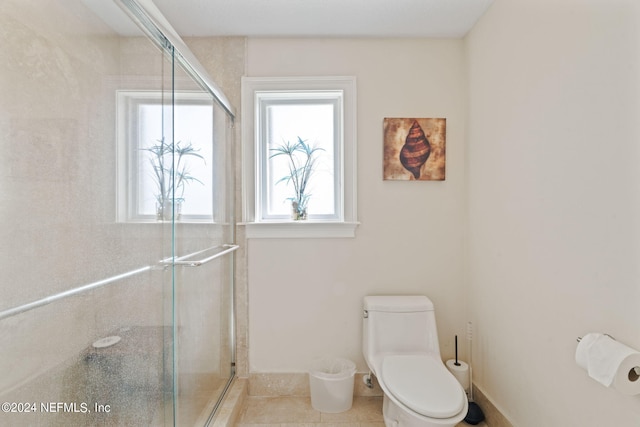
column 323, row 18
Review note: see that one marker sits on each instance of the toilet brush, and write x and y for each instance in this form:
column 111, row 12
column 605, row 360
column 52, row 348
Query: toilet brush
column 474, row 413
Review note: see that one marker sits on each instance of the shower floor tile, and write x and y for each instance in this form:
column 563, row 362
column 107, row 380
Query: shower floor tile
column 297, row 411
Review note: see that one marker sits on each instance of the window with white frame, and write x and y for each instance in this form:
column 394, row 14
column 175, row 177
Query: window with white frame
column 146, row 142
column 289, row 123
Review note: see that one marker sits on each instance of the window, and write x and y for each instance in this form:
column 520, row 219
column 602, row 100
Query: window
column 317, row 114
column 144, row 130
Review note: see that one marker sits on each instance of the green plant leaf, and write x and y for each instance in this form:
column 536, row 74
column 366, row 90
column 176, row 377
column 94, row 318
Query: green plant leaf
column 301, row 162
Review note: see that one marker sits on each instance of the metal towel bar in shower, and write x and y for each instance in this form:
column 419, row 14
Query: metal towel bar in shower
column 81, row 289
column 197, row 263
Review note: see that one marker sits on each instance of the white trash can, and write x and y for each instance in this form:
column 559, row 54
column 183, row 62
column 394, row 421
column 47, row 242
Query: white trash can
column 331, row 382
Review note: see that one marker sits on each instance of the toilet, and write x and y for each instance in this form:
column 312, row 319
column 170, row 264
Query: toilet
column 400, row 346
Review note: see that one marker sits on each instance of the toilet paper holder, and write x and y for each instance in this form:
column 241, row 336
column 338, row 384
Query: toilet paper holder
column 634, row 373
column 580, row 338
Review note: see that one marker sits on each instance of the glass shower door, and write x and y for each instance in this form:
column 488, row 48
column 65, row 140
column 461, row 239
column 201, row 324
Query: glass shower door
column 202, row 230
column 116, row 223
column 86, row 314
column 203, row 244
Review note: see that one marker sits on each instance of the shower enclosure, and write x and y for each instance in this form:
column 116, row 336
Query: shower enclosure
column 117, row 214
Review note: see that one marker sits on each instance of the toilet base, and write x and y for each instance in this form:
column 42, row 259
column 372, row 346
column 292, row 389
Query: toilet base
column 395, row 416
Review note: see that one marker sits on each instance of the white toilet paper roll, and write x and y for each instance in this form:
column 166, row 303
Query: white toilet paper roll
column 610, row 362
column 461, row 372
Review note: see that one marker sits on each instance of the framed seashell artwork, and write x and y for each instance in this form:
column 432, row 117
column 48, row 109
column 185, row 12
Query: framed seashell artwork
column 414, row 149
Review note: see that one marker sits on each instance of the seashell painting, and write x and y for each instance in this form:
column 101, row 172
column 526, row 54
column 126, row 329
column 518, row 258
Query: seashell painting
column 414, row 149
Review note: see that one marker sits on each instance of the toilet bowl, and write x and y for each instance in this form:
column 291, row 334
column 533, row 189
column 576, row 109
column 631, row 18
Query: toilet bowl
column 400, row 346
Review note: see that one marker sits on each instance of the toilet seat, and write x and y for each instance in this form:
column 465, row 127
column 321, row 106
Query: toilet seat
column 423, row 384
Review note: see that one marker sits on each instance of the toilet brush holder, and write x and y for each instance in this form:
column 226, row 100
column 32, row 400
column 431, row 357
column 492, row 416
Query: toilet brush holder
column 474, row 413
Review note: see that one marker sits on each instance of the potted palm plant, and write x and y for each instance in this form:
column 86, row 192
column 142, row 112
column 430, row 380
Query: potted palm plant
column 171, row 175
column 301, row 159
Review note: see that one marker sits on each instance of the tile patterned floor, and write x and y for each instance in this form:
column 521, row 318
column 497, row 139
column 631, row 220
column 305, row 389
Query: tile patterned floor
column 297, row 411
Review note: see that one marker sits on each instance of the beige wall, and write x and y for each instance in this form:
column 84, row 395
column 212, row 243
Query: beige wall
column 305, row 295
column 546, row 169
column 553, row 181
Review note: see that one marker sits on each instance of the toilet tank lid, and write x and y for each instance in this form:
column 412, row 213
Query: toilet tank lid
column 397, row 303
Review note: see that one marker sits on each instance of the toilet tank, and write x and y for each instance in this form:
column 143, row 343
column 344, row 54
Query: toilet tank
column 399, row 324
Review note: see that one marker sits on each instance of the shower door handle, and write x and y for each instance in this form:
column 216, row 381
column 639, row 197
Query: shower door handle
column 226, row 248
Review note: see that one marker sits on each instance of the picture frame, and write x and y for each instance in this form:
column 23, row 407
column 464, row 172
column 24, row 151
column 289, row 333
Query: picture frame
column 414, row 149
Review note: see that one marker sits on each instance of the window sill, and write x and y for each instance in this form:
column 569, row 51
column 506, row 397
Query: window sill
column 299, row 229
